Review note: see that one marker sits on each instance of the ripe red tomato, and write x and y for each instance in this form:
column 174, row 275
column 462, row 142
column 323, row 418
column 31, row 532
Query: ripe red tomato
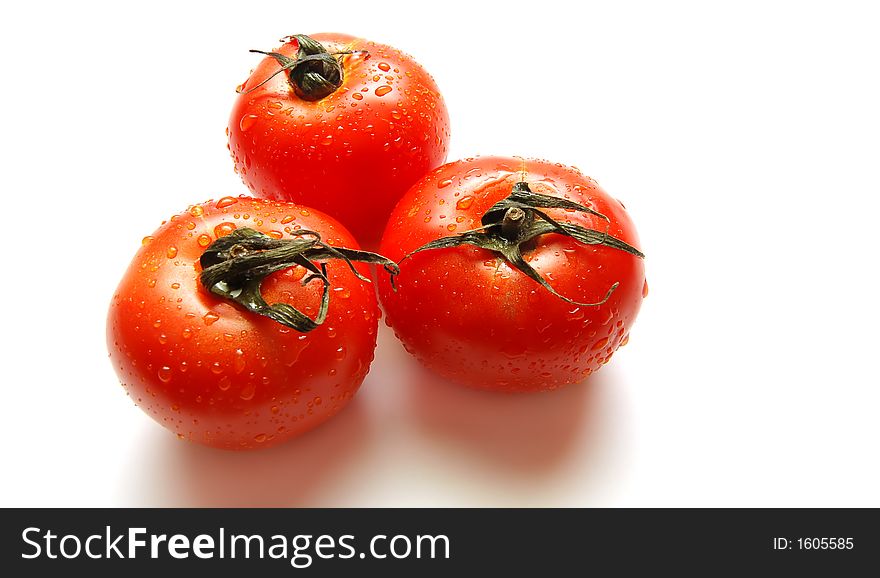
column 351, row 153
column 471, row 315
column 218, row 374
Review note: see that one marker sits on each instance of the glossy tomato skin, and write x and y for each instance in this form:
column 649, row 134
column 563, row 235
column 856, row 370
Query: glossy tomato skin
column 471, row 317
column 351, row 154
column 217, row 374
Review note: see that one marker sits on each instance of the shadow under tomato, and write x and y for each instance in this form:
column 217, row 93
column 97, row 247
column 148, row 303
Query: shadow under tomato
column 290, row 474
column 531, row 433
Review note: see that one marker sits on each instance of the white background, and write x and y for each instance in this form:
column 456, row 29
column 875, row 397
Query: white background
column 744, row 138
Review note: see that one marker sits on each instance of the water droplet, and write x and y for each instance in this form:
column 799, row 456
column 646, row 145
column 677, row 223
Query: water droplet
column 383, row 90
column 196, row 211
column 165, row 374
column 224, row 383
column 357, row 96
column 187, row 333
column 342, row 292
column 451, row 227
column 514, row 350
column 327, row 140
column 317, row 401
column 247, row 121
column 224, row 229
column 248, row 392
column 287, row 219
column 210, row 317
column 645, row 289
column 384, row 66
column 260, row 438
column 340, row 353
column 226, row 202
column 600, row 344
column 171, row 253
column 625, row 340
column 275, row 234
column 464, row 203
column 163, row 339
column 238, row 362
column 396, row 115
column 304, row 212
column 443, row 184
column 147, row 240
column 175, row 285
column 274, row 409
column 204, row 240
column 216, row 368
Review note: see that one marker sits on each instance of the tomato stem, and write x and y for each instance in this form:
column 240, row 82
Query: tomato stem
column 234, row 267
column 314, row 73
column 517, row 220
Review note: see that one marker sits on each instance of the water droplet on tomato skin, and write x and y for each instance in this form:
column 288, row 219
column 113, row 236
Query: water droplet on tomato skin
column 600, row 344
column 247, row 121
column 238, row 362
column 210, row 318
column 196, row 211
column 383, row 90
column 645, row 289
column 247, row 393
column 203, row 240
column 147, row 240
column 464, row 203
column 224, row 229
column 171, row 253
column 226, row 202
column 260, row 438
column 164, row 374
column 444, row 183
column 225, row 383
column 384, row 66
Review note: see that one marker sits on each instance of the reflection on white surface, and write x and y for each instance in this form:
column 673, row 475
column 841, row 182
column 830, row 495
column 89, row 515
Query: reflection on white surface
column 408, row 438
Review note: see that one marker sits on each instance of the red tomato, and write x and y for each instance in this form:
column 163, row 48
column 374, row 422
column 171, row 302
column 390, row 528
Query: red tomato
column 218, row 374
column 471, row 316
column 352, row 153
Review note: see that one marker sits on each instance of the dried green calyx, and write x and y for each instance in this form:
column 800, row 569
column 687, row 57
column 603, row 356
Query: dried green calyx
column 515, row 221
column 234, row 267
column 313, row 74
